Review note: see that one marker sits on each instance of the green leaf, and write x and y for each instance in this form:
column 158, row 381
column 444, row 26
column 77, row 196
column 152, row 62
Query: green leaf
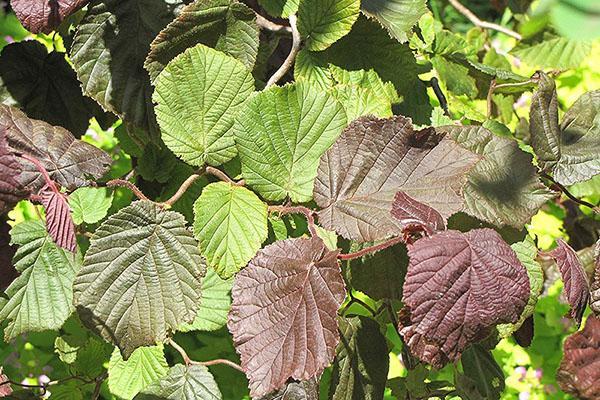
column 108, row 53
column 280, row 8
column 198, row 96
column 214, row 304
column 281, row 133
column 41, row 297
column 128, row 378
column 361, row 363
column 455, row 76
column 227, row 26
column 397, row 16
column 479, row 363
column 323, row 22
column 549, row 51
column 527, row 253
column 149, row 263
column 89, row 205
column 576, row 19
column 156, row 164
column 194, row 382
column 503, row 188
column 231, row 224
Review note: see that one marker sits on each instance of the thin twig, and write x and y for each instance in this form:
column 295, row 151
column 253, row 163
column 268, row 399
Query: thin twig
column 98, row 386
column 188, row 361
column 128, row 185
column 271, row 26
column 307, row 212
column 289, row 61
column 358, row 301
column 483, row 24
column 435, row 85
column 370, row 249
column 41, row 387
column 494, row 86
column 565, row 191
column 182, row 189
column 223, row 176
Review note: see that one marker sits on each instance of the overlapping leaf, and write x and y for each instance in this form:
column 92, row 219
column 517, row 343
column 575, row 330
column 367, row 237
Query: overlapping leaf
column 281, row 133
column 361, row 363
column 231, row 224
column 503, row 188
column 198, row 96
column 284, row 313
column 397, row 16
column 579, row 372
column 595, row 287
column 90, row 205
column 227, row 26
column 479, row 363
column 41, row 297
column 141, row 277
column 10, row 169
column 458, row 286
column 413, row 214
column 280, row 8
column 59, row 223
column 574, row 277
column 323, row 22
column 42, row 16
column 375, row 158
column 193, row 382
column 303, row 390
column 70, row 162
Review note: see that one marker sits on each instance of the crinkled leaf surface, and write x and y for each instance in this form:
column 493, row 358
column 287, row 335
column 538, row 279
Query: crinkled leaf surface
column 59, row 223
column 198, row 96
column 227, row 26
column 128, row 378
column 303, row 390
column 284, row 313
column 90, row 205
column 193, row 382
column 579, row 372
column 397, row 16
column 458, row 286
column 574, row 277
column 70, row 162
column 41, row 297
column 42, row 16
column 280, row 8
column 231, row 224
column 10, row 169
column 361, row 363
column 44, row 86
column 375, row 158
column 109, row 50
column 550, row 51
column 140, row 278
column 411, row 213
column 323, row 22
column 595, row 287
column 503, row 188
column 281, row 133
column 214, row 304
column 543, row 122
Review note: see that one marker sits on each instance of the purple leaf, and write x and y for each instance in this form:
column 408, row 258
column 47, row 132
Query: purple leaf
column 42, row 16
column 59, row 223
column 374, row 159
column 595, row 289
column 414, row 214
column 284, row 313
column 10, row 189
column 574, row 277
column 579, row 371
column 457, row 287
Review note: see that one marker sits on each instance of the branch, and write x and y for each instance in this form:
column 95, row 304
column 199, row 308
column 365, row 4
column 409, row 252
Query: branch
column 188, row 361
column 289, row 61
column 308, row 213
column 41, row 387
column 566, row 192
column 264, row 23
column 482, row 24
column 223, row 176
column 370, row 249
column 182, row 189
column 128, row 185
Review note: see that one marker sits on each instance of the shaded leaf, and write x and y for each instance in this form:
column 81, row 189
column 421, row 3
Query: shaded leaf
column 70, row 162
column 503, row 188
column 375, row 158
column 42, row 16
column 90, row 205
column 227, row 26
column 595, row 287
column 361, row 363
column 281, row 133
column 59, row 223
column 397, row 16
column 148, row 261
column 198, row 96
column 479, row 362
column 8, row 273
column 579, row 372
column 41, row 297
column 284, row 313
column 303, row 390
column 10, row 169
column 193, row 382
column 280, row 8
column 524, row 335
column 458, row 286
column 156, row 164
column 413, row 214
column 231, row 224
column 323, row 22
column 128, row 378
column 550, row 51
column 574, row 278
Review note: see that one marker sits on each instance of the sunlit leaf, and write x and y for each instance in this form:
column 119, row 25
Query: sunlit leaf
column 39, row 16
column 397, row 16
column 193, row 382
column 90, row 205
column 323, row 22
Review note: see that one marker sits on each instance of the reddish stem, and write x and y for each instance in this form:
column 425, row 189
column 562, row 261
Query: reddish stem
column 223, row 176
column 307, row 212
column 371, row 249
column 40, row 167
column 128, row 185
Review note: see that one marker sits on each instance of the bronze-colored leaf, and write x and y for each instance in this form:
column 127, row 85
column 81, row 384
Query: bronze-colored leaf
column 42, row 16
column 59, row 223
column 10, row 189
column 413, row 214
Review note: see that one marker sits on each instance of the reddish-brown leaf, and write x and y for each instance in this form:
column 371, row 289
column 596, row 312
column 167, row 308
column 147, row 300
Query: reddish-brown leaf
column 457, row 287
column 284, row 313
column 5, row 389
column 579, row 372
column 414, row 214
column 10, row 189
column 42, row 16
column 577, row 287
column 595, row 289
column 59, row 223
